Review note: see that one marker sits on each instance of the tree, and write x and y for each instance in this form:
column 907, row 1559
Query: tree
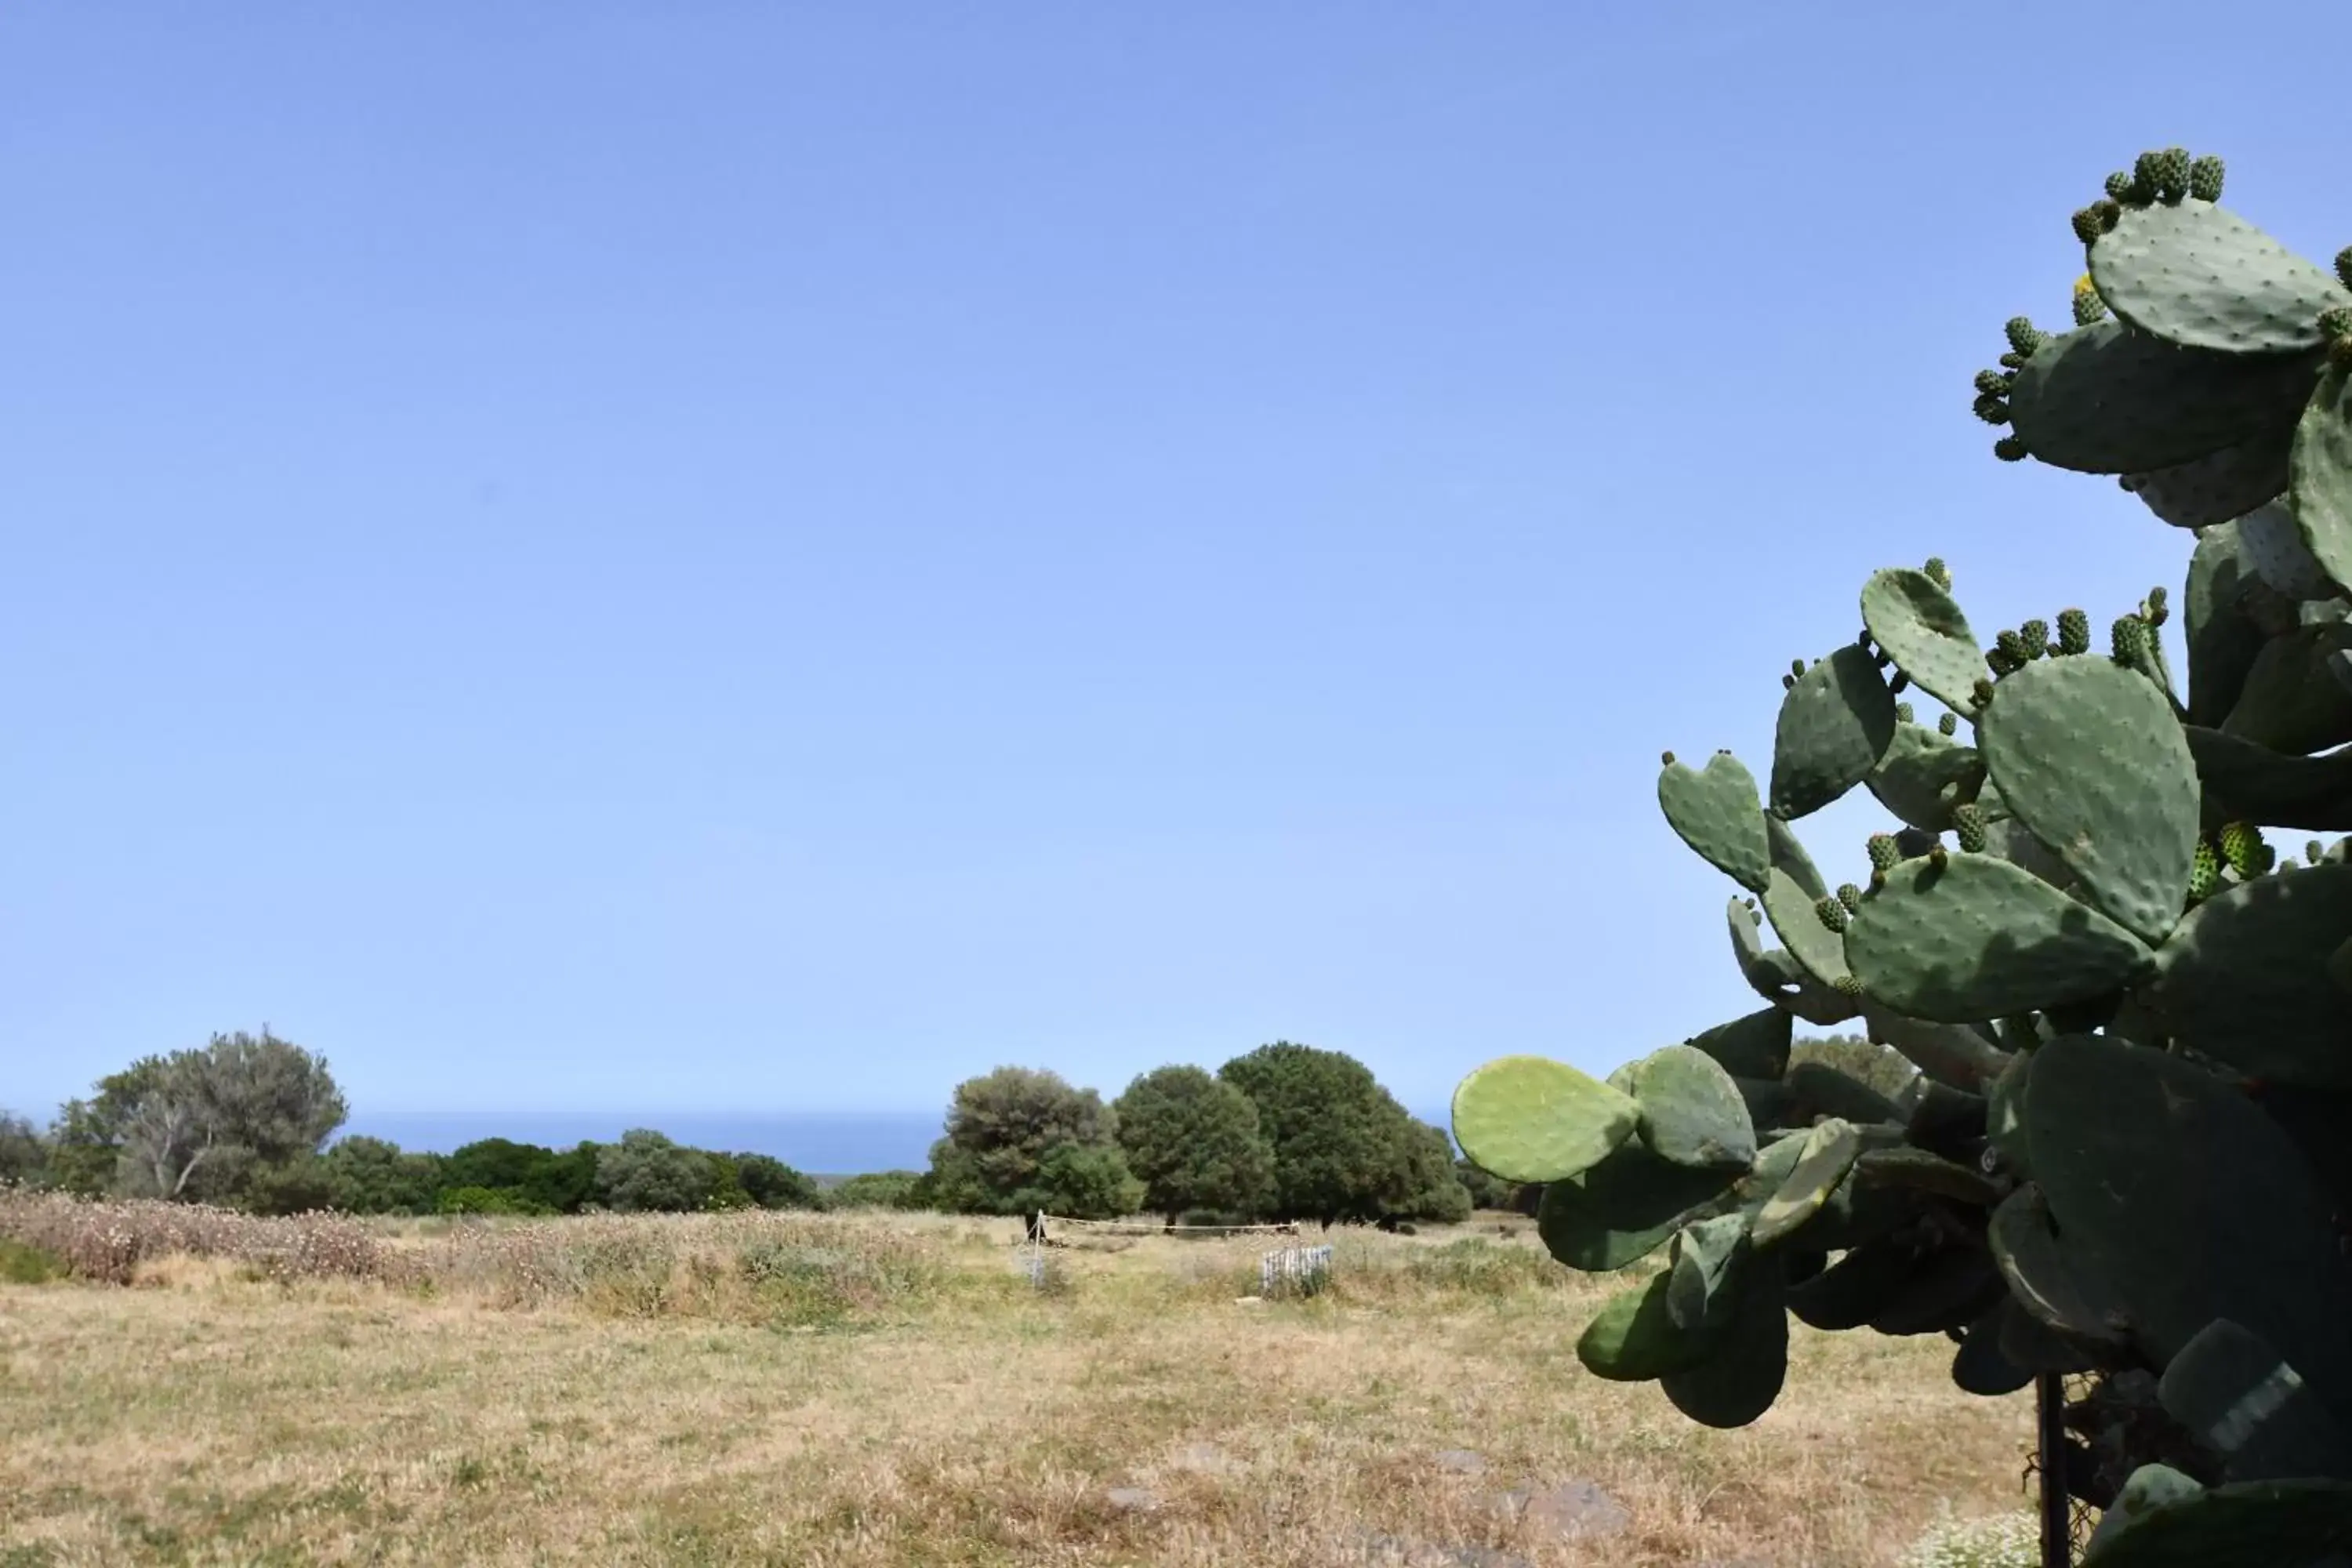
column 1000, row 1128
column 535, row 1177
column 1083, row 1181
column 195, row 1123
column 372, row 1176
column 23, row 1152
column 1432, row 1191
column 772, row 1185
column 1193, row 1141
column 878, row 1190
column 645, row 1171
column 1487, row 1190
column 1882, row 1067
column 1341, row 1144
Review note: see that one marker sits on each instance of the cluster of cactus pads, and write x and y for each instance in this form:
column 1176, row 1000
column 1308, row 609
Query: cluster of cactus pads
column 2127, row 1153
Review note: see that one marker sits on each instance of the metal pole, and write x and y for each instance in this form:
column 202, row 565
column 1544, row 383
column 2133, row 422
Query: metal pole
column 2057, row 1510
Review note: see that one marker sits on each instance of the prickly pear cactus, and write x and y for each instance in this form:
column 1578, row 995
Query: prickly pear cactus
column 2128, row 1152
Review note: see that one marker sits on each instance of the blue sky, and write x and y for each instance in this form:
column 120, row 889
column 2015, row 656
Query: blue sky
column 772, row 557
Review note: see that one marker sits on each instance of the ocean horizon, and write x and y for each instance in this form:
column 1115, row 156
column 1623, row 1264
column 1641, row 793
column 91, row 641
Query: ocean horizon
column 821, row 1143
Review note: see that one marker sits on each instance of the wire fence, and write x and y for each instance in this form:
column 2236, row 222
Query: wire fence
column 1043, row 1225
column 1294, row 1271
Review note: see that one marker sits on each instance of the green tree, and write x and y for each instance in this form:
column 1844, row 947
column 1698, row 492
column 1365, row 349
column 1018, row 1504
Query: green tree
column 1432, row 1191
column 374, row 1175
column 1000, row 1128
column 198, row 1123
column 772, row 1185
column 878, row 1190
column 645, row 1172
column 1083, row 1181
column 1487, row 1190
column 23, row 1152
column 1343, row 1147
column 535, row 1177
column 1882, row 1067
column 1193, row 1141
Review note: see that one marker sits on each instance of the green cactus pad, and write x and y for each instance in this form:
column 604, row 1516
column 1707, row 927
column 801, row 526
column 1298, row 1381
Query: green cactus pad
column 2320, row 474
column 2188, row 1204
column 2244, row 978
column 1953, row 1287
column 1531, row 1119
column 1981, row 1366
column 1818, row 1089
column 1625, row 1208
column 2271, row 543
column 1829, row 1152
column 1691, row 1112
column 2027, row 1341
column 2201, row 277
column 2290, row 701
column 2243, row 779
column 2221, row 485
column 1923, row 776
column 1780, row 979
column 1705, row 1272
column 1756, row 1045
column 1740, row 1377
column 1948, row 1054
column 2046, row 1278
column 1834, row 725
column 1919, row 1170
column 1716, row 813
column 2223, row 641
column 1922, row 629
column 2090, row 758
column 1634, row 1337
column 1982, row 939
column 2250, row 1524
column 2234, row 1394
column 1856, row 1287
column 1790, row 903
column 2105, row 399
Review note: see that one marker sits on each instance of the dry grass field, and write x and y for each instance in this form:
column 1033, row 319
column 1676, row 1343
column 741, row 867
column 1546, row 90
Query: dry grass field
column 845, row 1391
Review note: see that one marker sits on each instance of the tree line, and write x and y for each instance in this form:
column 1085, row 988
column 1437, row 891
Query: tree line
column 1283, row 1132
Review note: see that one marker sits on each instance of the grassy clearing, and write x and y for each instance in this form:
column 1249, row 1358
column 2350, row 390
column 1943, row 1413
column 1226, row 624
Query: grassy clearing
column 840, row 1390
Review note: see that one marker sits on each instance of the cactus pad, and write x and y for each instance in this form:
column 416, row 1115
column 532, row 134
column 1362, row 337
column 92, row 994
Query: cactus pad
column 1704, row 1269
column 2249, row 1524
column 1922, row 629
column 1691, row 1112
column 1740, row 1377
column 1716, row 813
column 2270, row 541
column 2243, row 979
column 1529, row 1119
column 2044, row 1278
column 1924, row 775
column 2236, row 1395
column 1834, row 725
column 2320, row 474
column 2290, row 702
column 2243, row 779
column 1829, row 1152
column 2223, row 641
column 1625, row 1207
column 1634, row 1337
column 1754, row 1046
column 2091, row 759
column 2198, row 275
column 2219, row 485
column 1983, row 938
column 2104, row 399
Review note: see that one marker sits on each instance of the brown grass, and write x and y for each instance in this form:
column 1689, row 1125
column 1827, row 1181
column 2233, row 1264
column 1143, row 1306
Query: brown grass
column 839, row 1391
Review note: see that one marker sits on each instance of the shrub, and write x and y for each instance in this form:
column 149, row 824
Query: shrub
column 1343, row 1148
column 878, row 1190
column 1001, row 1127
column 647, row 1171
column 1193, row 1141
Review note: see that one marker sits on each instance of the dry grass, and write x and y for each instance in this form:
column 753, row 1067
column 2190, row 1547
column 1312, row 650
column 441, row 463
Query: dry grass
column 839, row 1391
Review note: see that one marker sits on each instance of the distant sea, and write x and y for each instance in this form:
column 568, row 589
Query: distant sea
column 838, row 1144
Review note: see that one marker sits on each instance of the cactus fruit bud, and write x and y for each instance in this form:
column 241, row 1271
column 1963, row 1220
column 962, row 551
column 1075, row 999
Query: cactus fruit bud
column 1883, row 854
column 2036, row 635
column 1665, row 758
column 2343, row 266
column 1846, row 985
column 2024, row 337
column 2013, row 645
column 2127, row 640
column 2011, row 360
column 1881, row 658
column 1948, row 724
column 1900, row 684
column 1788, row 683
column 2144, row 173
column 1969, row 823
column 2089, row 309
column 2000, row 661
column 1938, row 573
column 1849, row 895
column 2312, row 852
column 2009, row 450
column 2119, row 187
column 1904, row 713
column 2241, row 846
column 1981, row 692
column 2335, row 324
column 2204, row 871
column 1992, row 383
column 2172, row 167
column 2157, row 611
column 2073, row 632
column 2087, row 226
column 1796, row 667
column 1991, row 410
column 2205, row 178
column 1833, row 914
column 1938, row 857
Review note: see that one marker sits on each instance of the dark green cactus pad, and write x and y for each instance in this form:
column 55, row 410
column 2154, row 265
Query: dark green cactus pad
column 2271, row 541
column 1948, row 1123
column 1716, row 813
column 1626, row 1207
column 2105, row 399
column 2214, row 488
column 1818, row 1089
column 1756, row 1045
column 1953, row 1286
column 1834, row 725
column 1922, row 629
column 1981, row 1366
column 2320, row 474
column 1791, row 906
column 1923, row 776
column 1692, row 1113
column 2005, row 1114
column 1704, row 1275
column 2247, row 1524
column 2201, row 277
column 2290, row 701
column 1780, row 979
column 1919, row 1171
column 1634, row 1338
column 2223, row 641
column 1531, row 1119
column 2047, row 1280
column 2243, row 779
column 2027, row 1341
column 1856, row 1287
column 1741, row 1377
column 1984, row 938
column 2244, row 978
column 2234, row 1394
column 2188, row 1204
column 1829, row 1152
column 2090, row 758
column 1948, row 1054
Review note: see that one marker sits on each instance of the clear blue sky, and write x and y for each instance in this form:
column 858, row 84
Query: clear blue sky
column 670, row 557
